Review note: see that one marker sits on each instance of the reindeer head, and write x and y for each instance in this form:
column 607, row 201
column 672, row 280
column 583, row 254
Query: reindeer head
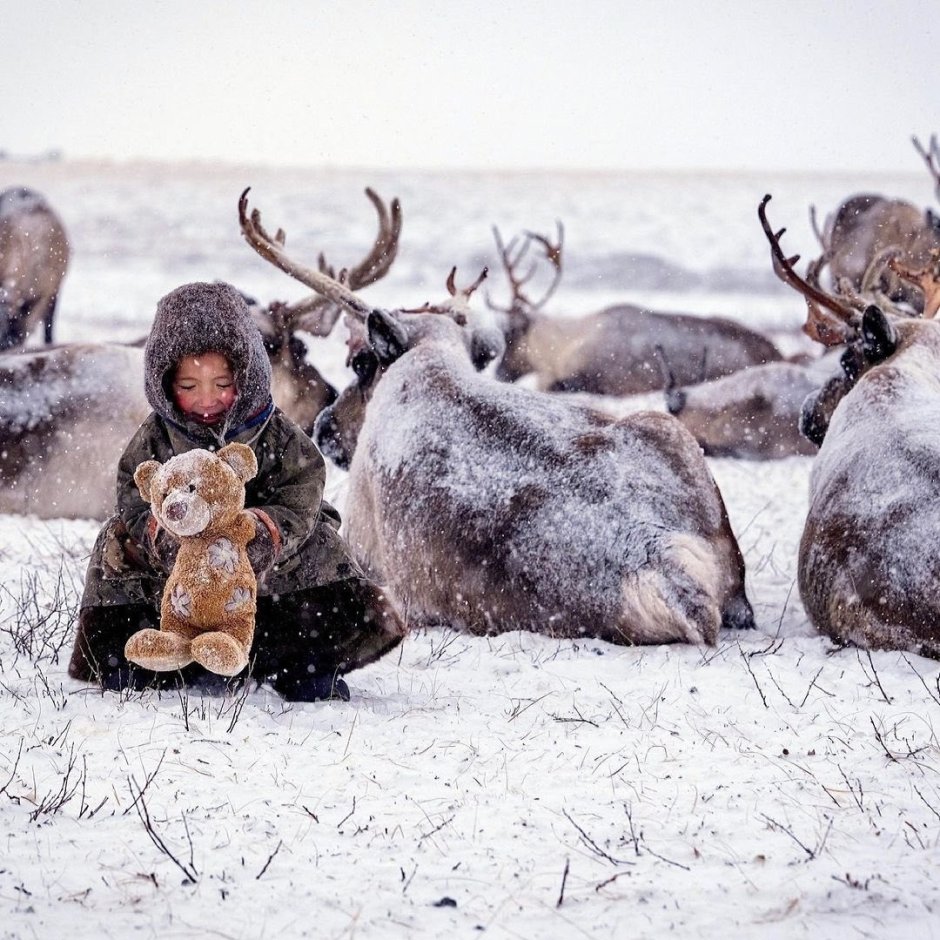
column 382, row 336
column 298, row 387
column 872, row 333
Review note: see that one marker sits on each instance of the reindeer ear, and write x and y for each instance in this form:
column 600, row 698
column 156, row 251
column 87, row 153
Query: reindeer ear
column 485, row 346
column 143, row 475
column 387, row 337
column 241, row 458
column 879, row 338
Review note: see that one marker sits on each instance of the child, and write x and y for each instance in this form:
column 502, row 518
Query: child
column 208, row 380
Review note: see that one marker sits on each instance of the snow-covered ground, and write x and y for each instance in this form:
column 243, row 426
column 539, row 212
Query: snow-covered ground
column 515, row 786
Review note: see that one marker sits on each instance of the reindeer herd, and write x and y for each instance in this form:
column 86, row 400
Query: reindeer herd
column 488, row 504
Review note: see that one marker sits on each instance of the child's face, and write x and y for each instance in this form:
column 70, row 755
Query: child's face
column 204, row 387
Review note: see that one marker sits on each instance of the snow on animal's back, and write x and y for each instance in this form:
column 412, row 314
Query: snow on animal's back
column 880, row 463
column 564, row 502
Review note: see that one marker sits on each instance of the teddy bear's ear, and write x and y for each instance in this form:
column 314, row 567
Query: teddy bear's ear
column 143, row 475
column 241, row 458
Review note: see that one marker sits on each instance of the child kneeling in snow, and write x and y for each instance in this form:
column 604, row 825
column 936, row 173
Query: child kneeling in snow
column 208, row 380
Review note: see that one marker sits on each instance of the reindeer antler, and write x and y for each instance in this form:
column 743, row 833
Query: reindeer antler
column 512, row 257
column 461, row 296
column 272, row 250
column 829, row 328
column 931, row 157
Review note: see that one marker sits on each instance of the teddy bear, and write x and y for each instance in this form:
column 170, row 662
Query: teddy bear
column 207, row 614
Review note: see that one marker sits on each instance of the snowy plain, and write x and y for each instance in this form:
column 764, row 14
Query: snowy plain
column 512, row 786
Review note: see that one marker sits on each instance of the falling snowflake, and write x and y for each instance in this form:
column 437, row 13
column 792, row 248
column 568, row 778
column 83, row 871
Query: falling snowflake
column 181, row 602
column 240, row 596
column 224, row 555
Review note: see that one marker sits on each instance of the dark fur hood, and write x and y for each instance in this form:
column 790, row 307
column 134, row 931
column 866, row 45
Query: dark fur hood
column 196, row 319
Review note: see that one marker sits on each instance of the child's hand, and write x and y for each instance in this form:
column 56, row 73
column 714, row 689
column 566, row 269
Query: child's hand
column 261, row 549
column 164, row 548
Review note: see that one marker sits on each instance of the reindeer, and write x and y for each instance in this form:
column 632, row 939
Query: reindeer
column 34, row 254
column 616, row 350
column 490, row 507
column 868, row 226
column 67, row 412
column 869, row 568
column 753, row 414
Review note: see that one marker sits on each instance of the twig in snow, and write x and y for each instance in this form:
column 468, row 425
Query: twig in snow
column 580, row 719
column 142, row 790
column 564, row 881
column 406, row 882
column 518, row 708
column 591, row 844
column 189, row 871
column 928, row 805
column 780, row 688
column 53, row 802
column 881, row 741
column 13, row 770
column 811, row 853
column 858, row 797
column 264, row 867
column 239, row 703
column 763, row 697
column 353, row 810
column 809, row 688
column 873, row 679
column 923, row 682
column 615, row 701
column 437, row 828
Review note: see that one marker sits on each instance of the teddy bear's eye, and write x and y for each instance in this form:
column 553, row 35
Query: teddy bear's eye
column 192, row 487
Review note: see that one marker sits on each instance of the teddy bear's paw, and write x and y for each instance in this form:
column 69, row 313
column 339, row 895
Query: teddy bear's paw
column 157, row 650
column 219, row 653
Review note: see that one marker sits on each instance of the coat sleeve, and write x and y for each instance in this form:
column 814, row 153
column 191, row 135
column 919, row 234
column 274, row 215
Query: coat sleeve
column 289, row 485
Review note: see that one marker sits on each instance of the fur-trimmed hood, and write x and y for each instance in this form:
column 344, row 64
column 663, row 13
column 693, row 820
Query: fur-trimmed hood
column 199, row 318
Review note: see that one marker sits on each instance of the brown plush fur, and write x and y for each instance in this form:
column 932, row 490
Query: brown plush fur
column 209, row 602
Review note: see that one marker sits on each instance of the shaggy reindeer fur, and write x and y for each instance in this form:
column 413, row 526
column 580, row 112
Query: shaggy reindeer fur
column 34, row 255
column 753, row 414
column 491, row 508
column 66, row 415
column 869, row 565
column 620, row 350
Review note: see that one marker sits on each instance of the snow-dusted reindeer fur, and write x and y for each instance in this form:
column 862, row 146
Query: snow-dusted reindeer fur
column 869, row 560
column 615, row 351
column 489, row 507
column 866, row 226
column 66, row 415
column 753, row 414
column 34, row 254
column 68, row 412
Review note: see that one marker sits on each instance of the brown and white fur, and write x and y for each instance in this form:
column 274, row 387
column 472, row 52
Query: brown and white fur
column 34, row 255
column 489, row 507
column 869, row 562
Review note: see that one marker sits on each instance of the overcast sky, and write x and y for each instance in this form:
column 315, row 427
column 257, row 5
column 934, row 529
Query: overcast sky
column 616, row 84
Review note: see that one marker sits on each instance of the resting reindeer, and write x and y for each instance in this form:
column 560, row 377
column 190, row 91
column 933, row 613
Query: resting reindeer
column 489, row 507
column 869, row 566
column 866, row 226
column 67, row 412
column 34, row 254
column 614, row 351
column 753, row 414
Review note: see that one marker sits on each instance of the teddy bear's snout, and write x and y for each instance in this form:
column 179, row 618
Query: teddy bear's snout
column 185, row 513
column 176, row 511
